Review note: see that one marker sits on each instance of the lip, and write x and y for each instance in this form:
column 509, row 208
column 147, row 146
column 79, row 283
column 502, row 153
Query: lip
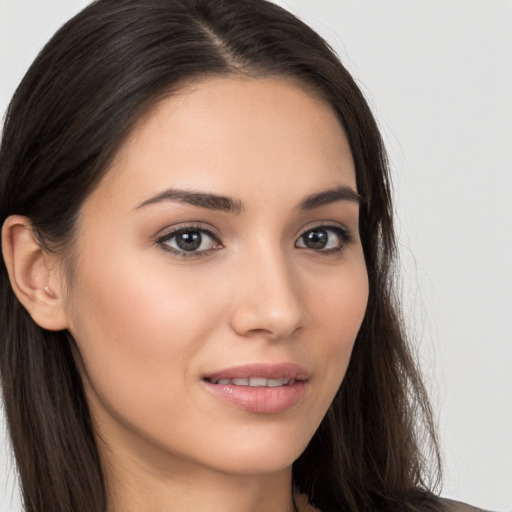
column 261, row 400
column 267, row 371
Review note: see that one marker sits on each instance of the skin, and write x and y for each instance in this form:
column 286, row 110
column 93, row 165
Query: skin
column 150, row 324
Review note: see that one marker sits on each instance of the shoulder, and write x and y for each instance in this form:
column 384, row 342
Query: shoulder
column 457, row 506
column 447, row 505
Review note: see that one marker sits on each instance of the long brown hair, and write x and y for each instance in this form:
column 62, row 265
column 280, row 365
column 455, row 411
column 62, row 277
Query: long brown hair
column 71, row 112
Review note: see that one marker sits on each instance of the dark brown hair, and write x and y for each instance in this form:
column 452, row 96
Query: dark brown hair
column 75, row 106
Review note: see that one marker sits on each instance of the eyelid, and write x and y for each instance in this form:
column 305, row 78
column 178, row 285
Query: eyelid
column 176, row 230
column 342, row 231
column 326, row 224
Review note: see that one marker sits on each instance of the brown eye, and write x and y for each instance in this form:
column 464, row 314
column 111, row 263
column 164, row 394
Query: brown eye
column 316, row 239
column 189, row 240
column 324, row 238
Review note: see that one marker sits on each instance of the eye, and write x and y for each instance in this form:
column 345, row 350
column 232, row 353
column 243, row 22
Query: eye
column 189, row 241
column 324, row 238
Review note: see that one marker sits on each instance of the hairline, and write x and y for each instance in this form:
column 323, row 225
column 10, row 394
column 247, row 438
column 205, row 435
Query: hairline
column 145, row 109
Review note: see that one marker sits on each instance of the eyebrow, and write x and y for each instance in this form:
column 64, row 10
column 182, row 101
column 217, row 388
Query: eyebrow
column 333, row 195
column 201, row 199
column 230, row 205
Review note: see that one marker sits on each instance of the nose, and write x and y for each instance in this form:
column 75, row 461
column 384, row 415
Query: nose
column 268, row 301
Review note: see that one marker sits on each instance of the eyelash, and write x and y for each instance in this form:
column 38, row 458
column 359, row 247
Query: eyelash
column 344, row 235
column 186, row 229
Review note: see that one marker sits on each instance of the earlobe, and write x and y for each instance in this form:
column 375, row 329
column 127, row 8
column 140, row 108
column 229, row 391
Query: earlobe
column 32, row 273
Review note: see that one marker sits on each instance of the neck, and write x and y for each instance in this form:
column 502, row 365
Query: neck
column 206, row 490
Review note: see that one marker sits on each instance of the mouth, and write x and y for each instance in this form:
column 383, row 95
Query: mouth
column 260, row 388
column 260, row 375
column 254, row 382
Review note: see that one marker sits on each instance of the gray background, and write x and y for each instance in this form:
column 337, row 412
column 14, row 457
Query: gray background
column 438, row 75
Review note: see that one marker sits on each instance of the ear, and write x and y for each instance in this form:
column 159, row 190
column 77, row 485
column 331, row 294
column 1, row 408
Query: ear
column 34, row 274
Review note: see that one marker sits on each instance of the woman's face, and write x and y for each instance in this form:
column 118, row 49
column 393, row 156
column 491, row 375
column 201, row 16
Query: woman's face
column 219, row 280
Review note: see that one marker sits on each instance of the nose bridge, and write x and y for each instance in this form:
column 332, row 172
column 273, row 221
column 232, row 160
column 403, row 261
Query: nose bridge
column 269, row 300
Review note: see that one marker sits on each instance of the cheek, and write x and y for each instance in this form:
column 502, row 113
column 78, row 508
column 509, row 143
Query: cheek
column 341, row 304
column 143, row 334
column 135, row 332
column 338, row 309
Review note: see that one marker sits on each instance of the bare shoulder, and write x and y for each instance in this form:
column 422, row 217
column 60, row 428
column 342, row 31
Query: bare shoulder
column 457, row 506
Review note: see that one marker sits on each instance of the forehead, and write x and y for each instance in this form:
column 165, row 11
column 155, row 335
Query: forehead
column 235, row 136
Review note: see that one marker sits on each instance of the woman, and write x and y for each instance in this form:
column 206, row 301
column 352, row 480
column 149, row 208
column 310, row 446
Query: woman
column 198, row 311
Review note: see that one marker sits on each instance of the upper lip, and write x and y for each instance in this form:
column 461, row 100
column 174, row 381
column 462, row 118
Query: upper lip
column 264, row 370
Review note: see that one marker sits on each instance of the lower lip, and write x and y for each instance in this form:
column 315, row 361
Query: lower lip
column 262, row 400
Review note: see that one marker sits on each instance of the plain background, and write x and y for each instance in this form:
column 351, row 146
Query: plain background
column 438, row 74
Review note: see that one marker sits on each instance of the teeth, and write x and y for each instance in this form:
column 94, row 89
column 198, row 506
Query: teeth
column 255, row 382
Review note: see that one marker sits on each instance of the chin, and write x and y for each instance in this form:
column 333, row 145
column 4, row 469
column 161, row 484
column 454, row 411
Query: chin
column 263, row 456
